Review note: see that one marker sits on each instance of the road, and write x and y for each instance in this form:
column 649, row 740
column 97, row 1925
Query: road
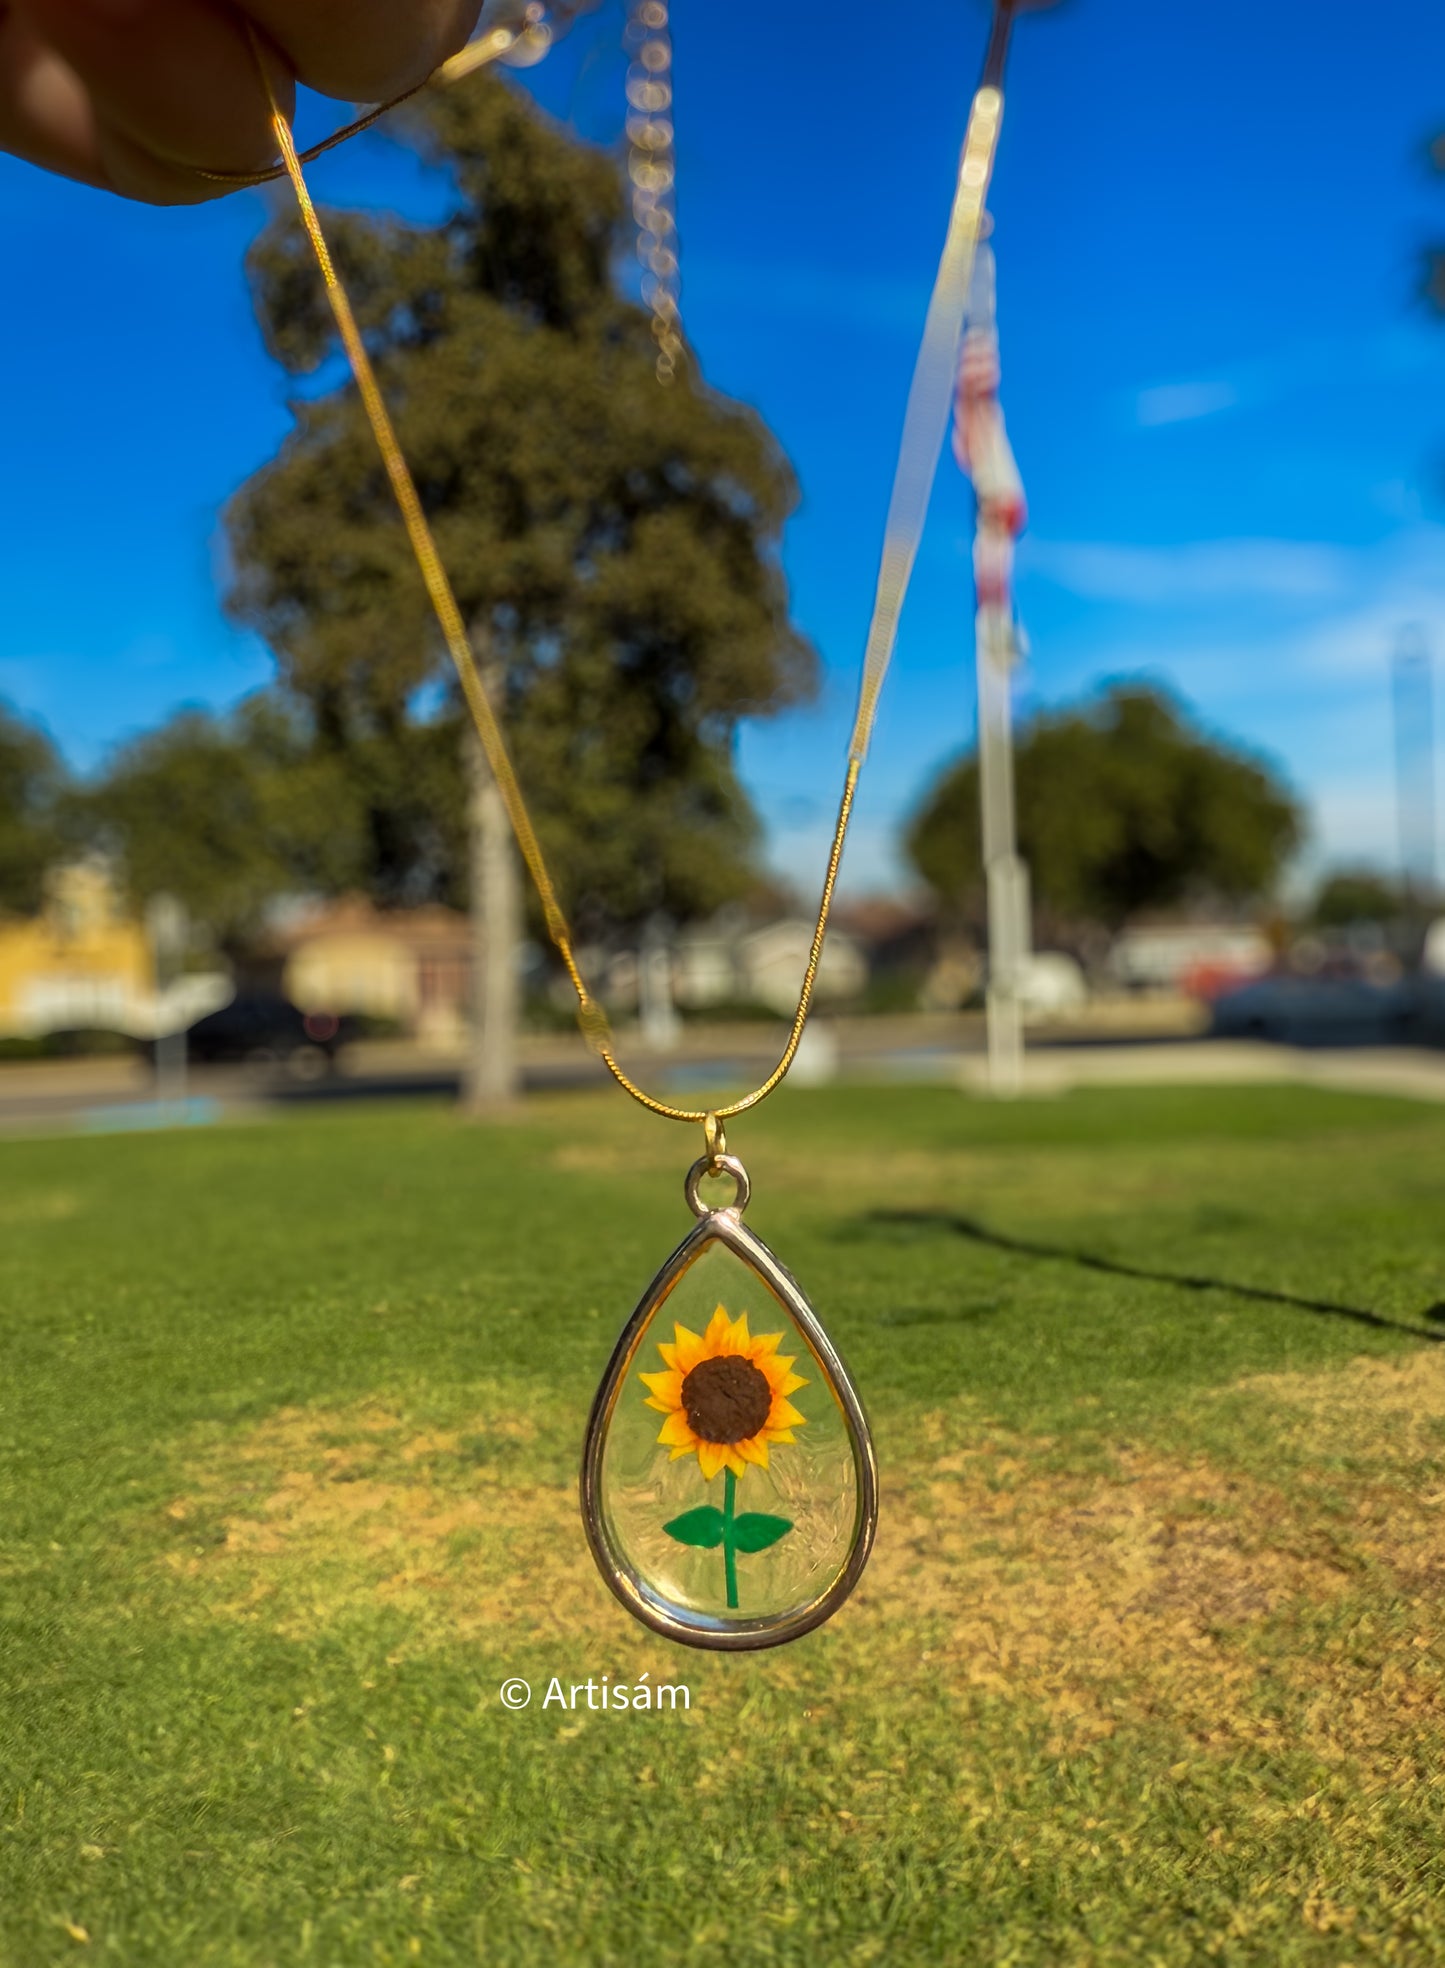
column 99, row 1093
column 117, row 1095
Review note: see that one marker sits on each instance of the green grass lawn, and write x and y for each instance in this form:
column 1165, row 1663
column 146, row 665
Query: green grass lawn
column 1147, row 1667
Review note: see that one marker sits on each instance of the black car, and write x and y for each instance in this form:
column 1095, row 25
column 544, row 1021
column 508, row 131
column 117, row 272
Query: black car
column 263, row 1030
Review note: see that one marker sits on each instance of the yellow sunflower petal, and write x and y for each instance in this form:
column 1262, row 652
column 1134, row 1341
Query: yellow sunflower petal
column 774, row 1369
column 711, row 1457
column 715, row 1339
column 779, row 1435
column 766, row 1343
column 791, row 1383
column 676, row 1433
column 739, row 1339
column 685, row 1450
column 689, row 1349
column 735, row 1462
column 667, row 1387
column 669, row 1353
column 755, row 1449
column 783, row 1414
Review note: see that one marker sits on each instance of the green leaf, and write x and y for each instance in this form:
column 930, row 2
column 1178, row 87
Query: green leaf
column 755, row 1532
column 703, row 1526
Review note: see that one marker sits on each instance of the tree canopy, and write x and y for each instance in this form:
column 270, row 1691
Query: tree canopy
column 1358, row 895
column 1124, row 805
column 227, row 813
column 31, row 782
column 613, row 543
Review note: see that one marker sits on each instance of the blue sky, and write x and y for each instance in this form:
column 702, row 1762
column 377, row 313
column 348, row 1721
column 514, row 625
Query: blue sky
column 1228, row 407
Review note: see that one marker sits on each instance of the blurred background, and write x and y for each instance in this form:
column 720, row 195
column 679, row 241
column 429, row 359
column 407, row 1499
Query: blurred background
column 1148, row 1662
column 240, row 826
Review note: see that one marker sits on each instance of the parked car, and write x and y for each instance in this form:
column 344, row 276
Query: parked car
column 1317, row 1010
column 265, row 1031
column 1052, row 985
column 1425, row 1016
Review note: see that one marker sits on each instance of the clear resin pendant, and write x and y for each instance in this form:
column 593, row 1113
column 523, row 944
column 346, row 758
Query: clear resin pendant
column 728, row 1483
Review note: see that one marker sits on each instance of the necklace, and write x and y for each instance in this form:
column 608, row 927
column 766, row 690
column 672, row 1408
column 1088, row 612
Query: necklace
column 652, row 167
column 723, row 1346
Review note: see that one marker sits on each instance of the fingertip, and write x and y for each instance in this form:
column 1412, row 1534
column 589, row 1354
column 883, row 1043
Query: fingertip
column 368, row 50
column 177, row 78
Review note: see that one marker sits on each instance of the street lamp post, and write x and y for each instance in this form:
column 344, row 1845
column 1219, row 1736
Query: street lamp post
column 168, row 928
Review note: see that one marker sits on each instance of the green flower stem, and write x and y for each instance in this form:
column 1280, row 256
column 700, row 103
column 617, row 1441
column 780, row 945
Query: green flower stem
column 730, row 1556
column 707, row 1527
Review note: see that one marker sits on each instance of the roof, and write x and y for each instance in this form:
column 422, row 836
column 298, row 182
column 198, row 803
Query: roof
column 430, row 926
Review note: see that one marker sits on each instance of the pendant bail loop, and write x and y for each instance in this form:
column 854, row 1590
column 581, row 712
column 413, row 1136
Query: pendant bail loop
column 716, row 1138
column 727, row 1165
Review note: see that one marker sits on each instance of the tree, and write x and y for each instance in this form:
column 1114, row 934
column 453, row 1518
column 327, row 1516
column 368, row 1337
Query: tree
column 32, row 780
column 1123, row 805
column 612, row 543
column 228, row 813
column 1357, row 895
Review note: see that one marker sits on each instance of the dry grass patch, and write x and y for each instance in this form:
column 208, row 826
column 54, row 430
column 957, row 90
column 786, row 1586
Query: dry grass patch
column 1105, row 1599
column 1166, row 1590
column 317, row 1514
column 1363, row 1448
column 1387, row 1411
column 1244, row 1614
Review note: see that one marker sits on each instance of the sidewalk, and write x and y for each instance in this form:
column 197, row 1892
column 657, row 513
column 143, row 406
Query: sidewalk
column 63, row 1094
column 1399, row 1070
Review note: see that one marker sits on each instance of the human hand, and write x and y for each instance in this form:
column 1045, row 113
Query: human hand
column 138, row 95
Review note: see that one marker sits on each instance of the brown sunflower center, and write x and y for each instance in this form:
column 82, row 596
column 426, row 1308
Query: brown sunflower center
column 727, row 1399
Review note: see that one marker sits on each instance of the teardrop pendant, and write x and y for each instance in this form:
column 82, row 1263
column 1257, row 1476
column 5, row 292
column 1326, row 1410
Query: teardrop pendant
column 728, row 1483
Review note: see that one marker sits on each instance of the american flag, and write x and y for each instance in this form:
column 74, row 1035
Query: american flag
column 981, row 446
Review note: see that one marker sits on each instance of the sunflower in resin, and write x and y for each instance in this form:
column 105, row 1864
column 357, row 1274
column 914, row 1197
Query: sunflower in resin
column 725, row 1394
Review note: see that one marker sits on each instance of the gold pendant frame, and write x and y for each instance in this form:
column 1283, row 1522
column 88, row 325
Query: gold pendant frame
column 692, row 1627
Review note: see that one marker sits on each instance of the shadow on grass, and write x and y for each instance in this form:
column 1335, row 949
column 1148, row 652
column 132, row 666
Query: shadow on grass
column 945, row 1223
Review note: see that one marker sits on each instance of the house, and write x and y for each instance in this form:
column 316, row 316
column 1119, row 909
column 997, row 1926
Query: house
column 1197, row 958
column 82, row 964
column 725, row 962
column 775, row 958
column 410, row 967
column 706, row 965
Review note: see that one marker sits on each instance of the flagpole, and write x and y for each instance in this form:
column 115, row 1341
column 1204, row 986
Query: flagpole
column 983, row 451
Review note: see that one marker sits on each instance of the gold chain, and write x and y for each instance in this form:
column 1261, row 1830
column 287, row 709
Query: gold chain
column 924, row 424
column 652, row 167
column 528, row 42
column 477, row 54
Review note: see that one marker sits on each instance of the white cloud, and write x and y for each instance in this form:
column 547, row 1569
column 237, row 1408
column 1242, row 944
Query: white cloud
column 1183, row 403
column 1201, row 570
column 1287, row 646
column 1403, row 350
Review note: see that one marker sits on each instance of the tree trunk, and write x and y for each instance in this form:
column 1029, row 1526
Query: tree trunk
column 492, row 1078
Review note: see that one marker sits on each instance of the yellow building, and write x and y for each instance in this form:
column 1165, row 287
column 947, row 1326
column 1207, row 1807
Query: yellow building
column 83, row 964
